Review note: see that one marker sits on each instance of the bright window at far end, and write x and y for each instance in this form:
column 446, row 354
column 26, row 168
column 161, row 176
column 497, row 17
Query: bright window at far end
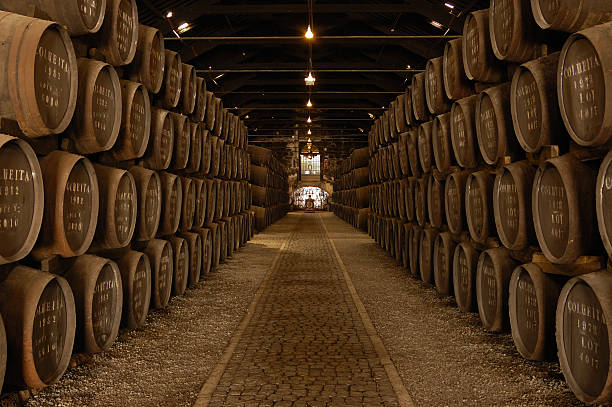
column 311, row 164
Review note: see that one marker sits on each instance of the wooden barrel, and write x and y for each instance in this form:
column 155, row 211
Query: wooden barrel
column 219, row 203
column 210, row 110
column 205, row 164
column 41, row 336
column 402, row 155
column 215, row 236
column 409, row 198
column 170, row 92
column 391, row 122
column 583, row 77
column 479, row 60
column 206, row 258
column 118, row 36
column 172, row 203
column 78, row 18
column 3, row 352
column 413, row 154
column 414, row 244
column 400, row 114
column 532, row 305
column 97, row 117
column 230, row 237
column 456, row 83
column 215, row 158
column 224, row 128
column 534, row 104
column 463, row 131
column 435, row 202
column 442, row 255
column 494, row 124
column 189, row 88
column 570, row 15
column 222, row 236
column 583, row 338
column 42, row 103
column 193, row 242
column 149, row 61
column 188, row 205
column 479, row 205
column 419, row 102
column 199, row 111
column 465, row 262
column 161, row 257
column 454, row 192
column 219, row 119
column 195, row 147
column 437, row 101
column 408, row 109
column 420, row 199
column 161, row 143
column 226, row 199
column 135, row 271
column 603, row 202
column 424, row 145
column 513, row 31
column 98, row 297
column 426, row 251
column 201, row 200
column 384, row 126
column 182, row 141
column 180, row 265
column 118, row 206
column 405, row 242
column 512, row 205
column 148, row 185
column 492, row 288
column 441, row 142
column 211, row 201
column 71, row 207
column 562, row 205
column 398, row 238
column 135, row 127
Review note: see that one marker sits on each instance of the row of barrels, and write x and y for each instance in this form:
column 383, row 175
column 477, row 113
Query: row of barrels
column 82, row 310
column 351, row 196
column 55, row 81
column 269, row 187
column 464, row 191
column 357, row 217
column 74, row 202
column 549, row 314
column 542, row 101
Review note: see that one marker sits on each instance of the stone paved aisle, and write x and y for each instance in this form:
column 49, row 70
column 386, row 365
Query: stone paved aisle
column 305, row 344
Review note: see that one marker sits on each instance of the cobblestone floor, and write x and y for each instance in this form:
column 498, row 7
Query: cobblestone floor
column 305, row 344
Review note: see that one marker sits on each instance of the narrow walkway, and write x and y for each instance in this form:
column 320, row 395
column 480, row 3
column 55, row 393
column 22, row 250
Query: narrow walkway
column 305, row 344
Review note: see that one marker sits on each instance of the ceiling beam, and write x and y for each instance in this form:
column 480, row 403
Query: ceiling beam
column 302, row 8
column 303, row 70
column 293, row 38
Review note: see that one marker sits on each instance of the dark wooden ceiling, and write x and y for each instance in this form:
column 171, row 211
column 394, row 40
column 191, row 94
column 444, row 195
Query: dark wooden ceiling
column 244, row 72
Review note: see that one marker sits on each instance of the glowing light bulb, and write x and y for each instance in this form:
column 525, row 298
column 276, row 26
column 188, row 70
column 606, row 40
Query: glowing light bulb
column 310, row 80
column 309, row 132
column 309, row 34
column 309, row 120
column 169, row 14
column 309, row 104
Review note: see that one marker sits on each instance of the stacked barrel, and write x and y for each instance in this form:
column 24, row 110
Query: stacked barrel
column 489, row 179
column 269, row 187
column 123, row 182
column 351, row 196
